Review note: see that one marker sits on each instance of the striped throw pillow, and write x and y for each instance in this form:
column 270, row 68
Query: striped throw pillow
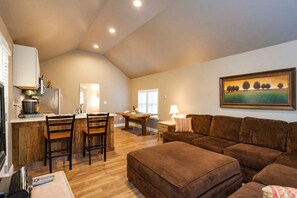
column 183, row 125
column 273, row 191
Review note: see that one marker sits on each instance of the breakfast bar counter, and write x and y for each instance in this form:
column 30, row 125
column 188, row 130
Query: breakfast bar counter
column 28, row 138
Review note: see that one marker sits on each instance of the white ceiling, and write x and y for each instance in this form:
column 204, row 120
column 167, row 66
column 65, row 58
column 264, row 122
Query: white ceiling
column 160, row 35
column 52, row 26
column 121, row 15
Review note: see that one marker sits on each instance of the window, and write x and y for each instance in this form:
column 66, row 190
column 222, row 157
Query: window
column 148, row 101
column 4, row 63
column 4, row 58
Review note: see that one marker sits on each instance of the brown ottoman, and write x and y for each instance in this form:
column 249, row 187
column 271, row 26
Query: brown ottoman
column 178, row 169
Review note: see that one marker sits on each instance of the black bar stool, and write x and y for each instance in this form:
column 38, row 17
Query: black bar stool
column 96, row 127
column 59, row 129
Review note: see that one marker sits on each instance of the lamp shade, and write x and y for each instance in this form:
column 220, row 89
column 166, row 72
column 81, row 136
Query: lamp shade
column 173, row 109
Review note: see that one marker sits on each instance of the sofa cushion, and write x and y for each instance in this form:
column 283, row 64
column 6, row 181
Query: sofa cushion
column 183, row 125
column 180, row 136
column 200, row 123
column 292, row 138
column 287, row 159
column 251, row 189
column 252, row 156
column 277, row 174
column 212, row 143
column 264, row 132
column 225, row 127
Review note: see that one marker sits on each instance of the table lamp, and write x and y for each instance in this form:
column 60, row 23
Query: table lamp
column 173, row 111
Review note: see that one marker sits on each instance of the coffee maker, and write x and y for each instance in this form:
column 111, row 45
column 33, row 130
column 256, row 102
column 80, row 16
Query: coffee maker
column 30, row 105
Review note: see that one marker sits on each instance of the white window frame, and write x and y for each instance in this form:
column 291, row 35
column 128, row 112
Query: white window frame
column 4, row 78
column 4, row 65
column 146, row 91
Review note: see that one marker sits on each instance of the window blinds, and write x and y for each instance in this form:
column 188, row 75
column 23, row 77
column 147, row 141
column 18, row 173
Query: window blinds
column 148, row 101
column 4, row 63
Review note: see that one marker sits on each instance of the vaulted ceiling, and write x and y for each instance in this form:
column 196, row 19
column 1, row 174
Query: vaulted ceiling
column 158, row 36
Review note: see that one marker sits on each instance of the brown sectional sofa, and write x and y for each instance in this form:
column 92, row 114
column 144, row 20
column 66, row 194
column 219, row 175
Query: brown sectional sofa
column 200, row 125
column 261, row 142
column 254, row 142
column 289, row 158
column 222, row 134
column 273, row 174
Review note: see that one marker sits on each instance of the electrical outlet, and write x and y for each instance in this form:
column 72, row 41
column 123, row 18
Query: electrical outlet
column 120, row 118
column 16, row 104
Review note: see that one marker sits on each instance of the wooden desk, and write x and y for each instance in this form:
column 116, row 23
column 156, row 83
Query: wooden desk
column 138, row 118
column 55, row 189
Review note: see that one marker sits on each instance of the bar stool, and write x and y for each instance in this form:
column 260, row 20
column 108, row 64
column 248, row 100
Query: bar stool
column 96, row 127
column 59, row 129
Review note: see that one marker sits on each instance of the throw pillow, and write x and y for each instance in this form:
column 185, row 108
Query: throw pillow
column 183, row 125
column 273, row 191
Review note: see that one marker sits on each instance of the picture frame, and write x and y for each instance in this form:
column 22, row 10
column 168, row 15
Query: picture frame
column 275, row 90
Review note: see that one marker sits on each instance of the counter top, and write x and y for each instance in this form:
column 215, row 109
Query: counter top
column 28, row 139
column 40, row 119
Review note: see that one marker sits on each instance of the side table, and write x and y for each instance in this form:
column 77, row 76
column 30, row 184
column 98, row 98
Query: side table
column 165, row 126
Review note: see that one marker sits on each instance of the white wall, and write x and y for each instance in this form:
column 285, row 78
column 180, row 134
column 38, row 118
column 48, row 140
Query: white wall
column 195, row 89
column 69, row 70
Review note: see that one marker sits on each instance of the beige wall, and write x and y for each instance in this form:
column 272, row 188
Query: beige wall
column 69, row 70
column 6, row 34
column 195, row 89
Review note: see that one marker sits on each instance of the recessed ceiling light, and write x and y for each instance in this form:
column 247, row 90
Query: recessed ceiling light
column 95, row 46
column 112, row 30
column 137, row 3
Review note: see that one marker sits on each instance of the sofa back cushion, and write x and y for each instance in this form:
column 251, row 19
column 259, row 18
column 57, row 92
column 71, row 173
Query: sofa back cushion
column 225, row 127
column 264, row 132
column 292, row 138
column 200, row 123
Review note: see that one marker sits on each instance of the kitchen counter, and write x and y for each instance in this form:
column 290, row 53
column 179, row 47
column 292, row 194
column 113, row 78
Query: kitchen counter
column 40, row 119
column 28, row 138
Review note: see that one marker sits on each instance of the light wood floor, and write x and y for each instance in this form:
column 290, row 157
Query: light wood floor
column 101, row 179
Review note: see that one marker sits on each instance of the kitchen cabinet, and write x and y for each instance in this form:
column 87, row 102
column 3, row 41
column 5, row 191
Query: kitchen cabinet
column 26, row 70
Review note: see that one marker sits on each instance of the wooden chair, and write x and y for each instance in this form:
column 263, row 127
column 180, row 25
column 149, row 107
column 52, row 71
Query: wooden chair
column 96, row 127
column 59, row 129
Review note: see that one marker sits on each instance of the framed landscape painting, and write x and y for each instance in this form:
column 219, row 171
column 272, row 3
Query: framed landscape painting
column 263, row 90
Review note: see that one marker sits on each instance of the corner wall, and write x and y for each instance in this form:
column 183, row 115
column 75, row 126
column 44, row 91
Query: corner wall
column 195, row 89
column 69, row 70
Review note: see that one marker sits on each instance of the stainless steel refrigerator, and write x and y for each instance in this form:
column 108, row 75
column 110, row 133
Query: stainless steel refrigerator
column 50, row 101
